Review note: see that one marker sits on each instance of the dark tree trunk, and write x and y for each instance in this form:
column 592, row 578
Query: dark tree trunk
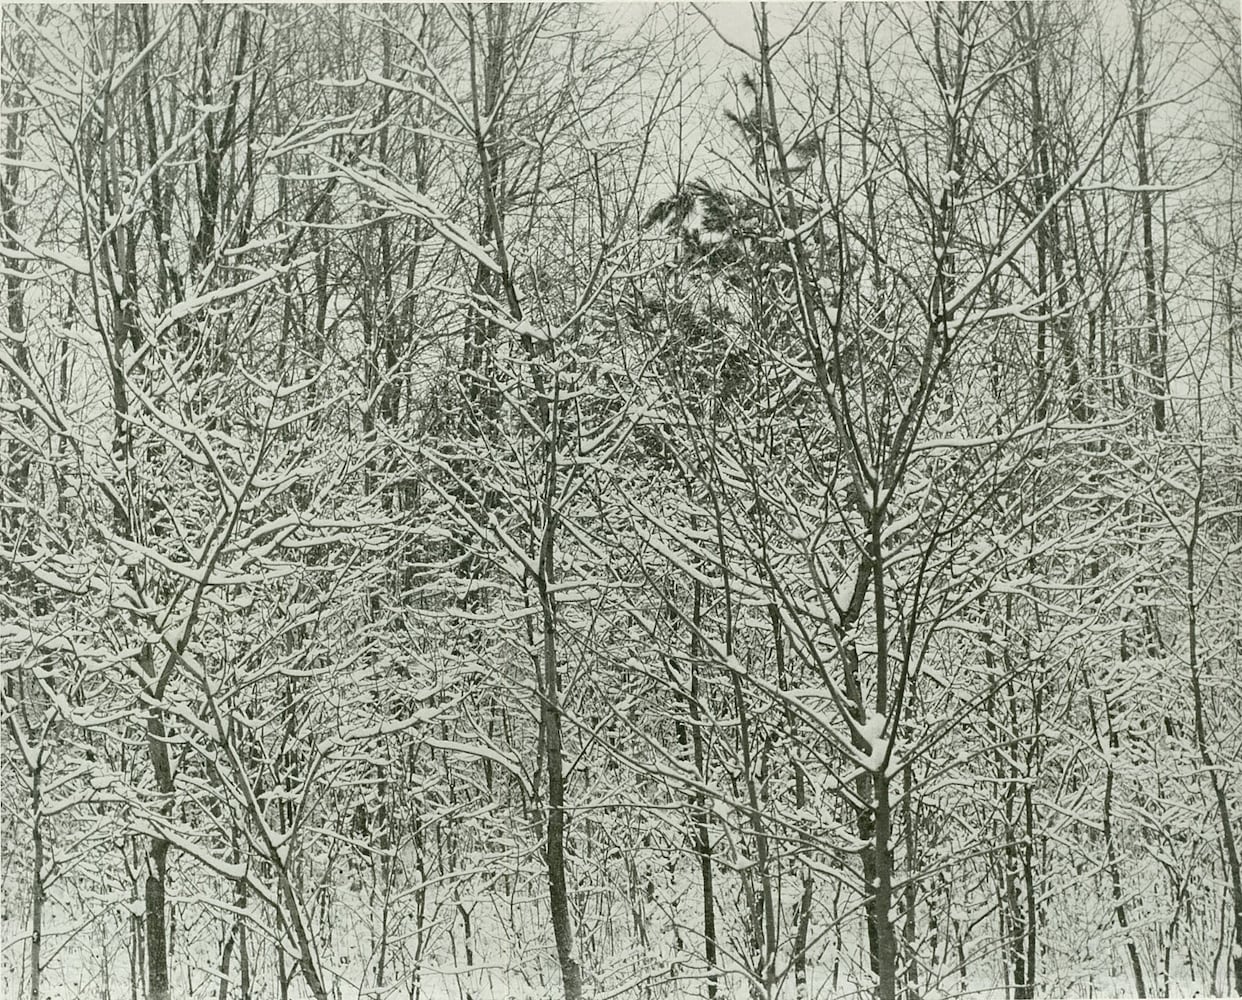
column 1157, row 341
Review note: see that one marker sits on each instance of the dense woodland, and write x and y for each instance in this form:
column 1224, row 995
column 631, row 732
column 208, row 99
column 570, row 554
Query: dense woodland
column 621, row 501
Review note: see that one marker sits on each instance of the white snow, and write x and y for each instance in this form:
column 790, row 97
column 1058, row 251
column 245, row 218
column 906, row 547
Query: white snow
column 872, row 734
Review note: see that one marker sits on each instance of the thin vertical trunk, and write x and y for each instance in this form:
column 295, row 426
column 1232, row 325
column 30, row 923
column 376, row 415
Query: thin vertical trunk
column 118, row 328
column 467, row 939
column 761, row 916
column 1029, row 867
column 307, row 963
column 137, row 953
column 915, row 822
column 1041, row 237
column 910, row 894
column 381, row 963
column 1050, row 254
column 803, row 919
column 702, row 834
column 239, row 926
column 1019, row 853
column 1028, row 885
column 157, row 850
column 485, row 106
column 885, row 938
column 558, row 891
column 482, row 330
column 1114, row 875
column 226, row 959
column 865, row 820
column 761, row 904
column 1012, row 914
column 1157, row 342
column 17, row 459
column 1230, row 333
column 168, row 281
column 156, row 929
column 960, row 943
column 1111, row 865
column 762, row 910
column 36, row 879
column 866, row 831
column 243, row 951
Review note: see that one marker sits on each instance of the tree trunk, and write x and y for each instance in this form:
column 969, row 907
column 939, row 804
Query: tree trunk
column 36, row 881
column 1028, row 887
column 885, row 940
column 157, row 851
column 226, row 959
column 803, row 910
column 702, row 817
column 156, row 931
column 1157, row 341
column 558, row 892
column 1049, row 251
column 1114, row 874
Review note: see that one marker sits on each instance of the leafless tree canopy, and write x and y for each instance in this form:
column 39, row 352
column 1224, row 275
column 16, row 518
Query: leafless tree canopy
column 522, row 500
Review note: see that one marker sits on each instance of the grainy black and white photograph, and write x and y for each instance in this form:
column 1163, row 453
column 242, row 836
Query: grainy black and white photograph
column 669, row 501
